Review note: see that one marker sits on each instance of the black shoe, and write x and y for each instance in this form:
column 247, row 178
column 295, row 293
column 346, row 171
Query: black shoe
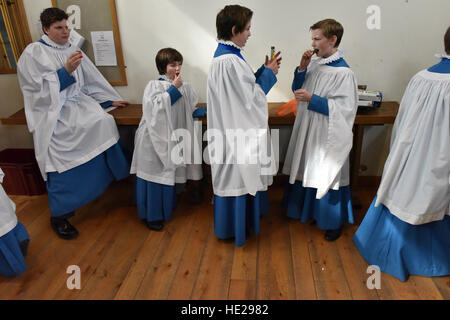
column 24, row 246
column 331, row 235
column 63, row 228
column 154, row 225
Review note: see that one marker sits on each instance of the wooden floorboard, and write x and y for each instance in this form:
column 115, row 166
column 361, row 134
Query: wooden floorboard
column 158, row 280
column 329, row 276
column 426, row 289
column 443, row 285
column 242, row 290
column 189, row 265
column 355, row 267
column 303, row 273
column 275, row 266
column 120, row 258
column 213, row 280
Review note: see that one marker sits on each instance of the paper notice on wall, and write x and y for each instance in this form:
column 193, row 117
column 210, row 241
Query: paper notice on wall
column 104, row 48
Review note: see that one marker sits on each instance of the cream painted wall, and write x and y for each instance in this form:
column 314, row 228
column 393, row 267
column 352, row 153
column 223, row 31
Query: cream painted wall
column 11, row 96
column 411, row 33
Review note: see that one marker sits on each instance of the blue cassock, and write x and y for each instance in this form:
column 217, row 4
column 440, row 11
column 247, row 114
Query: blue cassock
column 397, row 247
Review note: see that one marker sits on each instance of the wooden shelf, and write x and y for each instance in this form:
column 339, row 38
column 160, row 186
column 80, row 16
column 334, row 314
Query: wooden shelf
column 132, row 114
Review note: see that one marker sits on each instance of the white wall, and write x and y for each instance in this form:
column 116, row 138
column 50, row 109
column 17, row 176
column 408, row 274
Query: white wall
column 11, row 96
column 411, row 33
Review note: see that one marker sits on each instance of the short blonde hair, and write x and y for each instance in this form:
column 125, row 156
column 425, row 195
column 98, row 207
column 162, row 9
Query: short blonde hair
column 330, row 28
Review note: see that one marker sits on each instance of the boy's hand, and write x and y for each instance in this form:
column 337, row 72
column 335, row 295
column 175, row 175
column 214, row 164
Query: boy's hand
column 177, row 81
column 302, row 95
column 121, row 104
column 306, row 59
column 73, row 61
column 273, row 64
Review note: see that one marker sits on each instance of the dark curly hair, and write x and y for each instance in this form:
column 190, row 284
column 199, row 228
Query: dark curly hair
column 52, row 15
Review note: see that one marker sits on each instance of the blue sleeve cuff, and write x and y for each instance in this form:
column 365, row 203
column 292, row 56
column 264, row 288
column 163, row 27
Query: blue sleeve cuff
column 65, row 79
column 259, row 71
column 266, row 80
column 299, row 78
column 174, row 93
column 199, row 112
column 319, row 104
column 106, row 104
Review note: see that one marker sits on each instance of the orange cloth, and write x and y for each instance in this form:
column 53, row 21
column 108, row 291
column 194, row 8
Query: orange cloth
column 290, row 107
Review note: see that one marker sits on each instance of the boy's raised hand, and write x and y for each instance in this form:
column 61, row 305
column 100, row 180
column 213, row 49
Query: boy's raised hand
column 306, row 59
column 177, row 81
column 273, row 64
column 73, row 61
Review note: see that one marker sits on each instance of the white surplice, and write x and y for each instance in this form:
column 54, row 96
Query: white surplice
column 155, row 143
column 320, row 145
column 235, row 102
column 415, row 186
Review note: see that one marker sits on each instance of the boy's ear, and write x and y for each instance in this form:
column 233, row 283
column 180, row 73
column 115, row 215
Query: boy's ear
column 233, row 31
column 333, row 40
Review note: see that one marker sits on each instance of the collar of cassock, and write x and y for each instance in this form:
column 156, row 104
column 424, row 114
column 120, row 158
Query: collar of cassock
column 53, row 44
column 334, row 57
column 165, row 78
column 229, row 43
column 442, row 56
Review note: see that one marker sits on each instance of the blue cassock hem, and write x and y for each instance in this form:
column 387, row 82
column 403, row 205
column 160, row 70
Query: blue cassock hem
column 330, row 212
column 234, row 215
column 72, row 189
column 12, row 261
column 155, row 201
column 401, row 249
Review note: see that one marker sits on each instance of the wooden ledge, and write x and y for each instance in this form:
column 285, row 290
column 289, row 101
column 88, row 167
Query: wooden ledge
column 132, row 114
